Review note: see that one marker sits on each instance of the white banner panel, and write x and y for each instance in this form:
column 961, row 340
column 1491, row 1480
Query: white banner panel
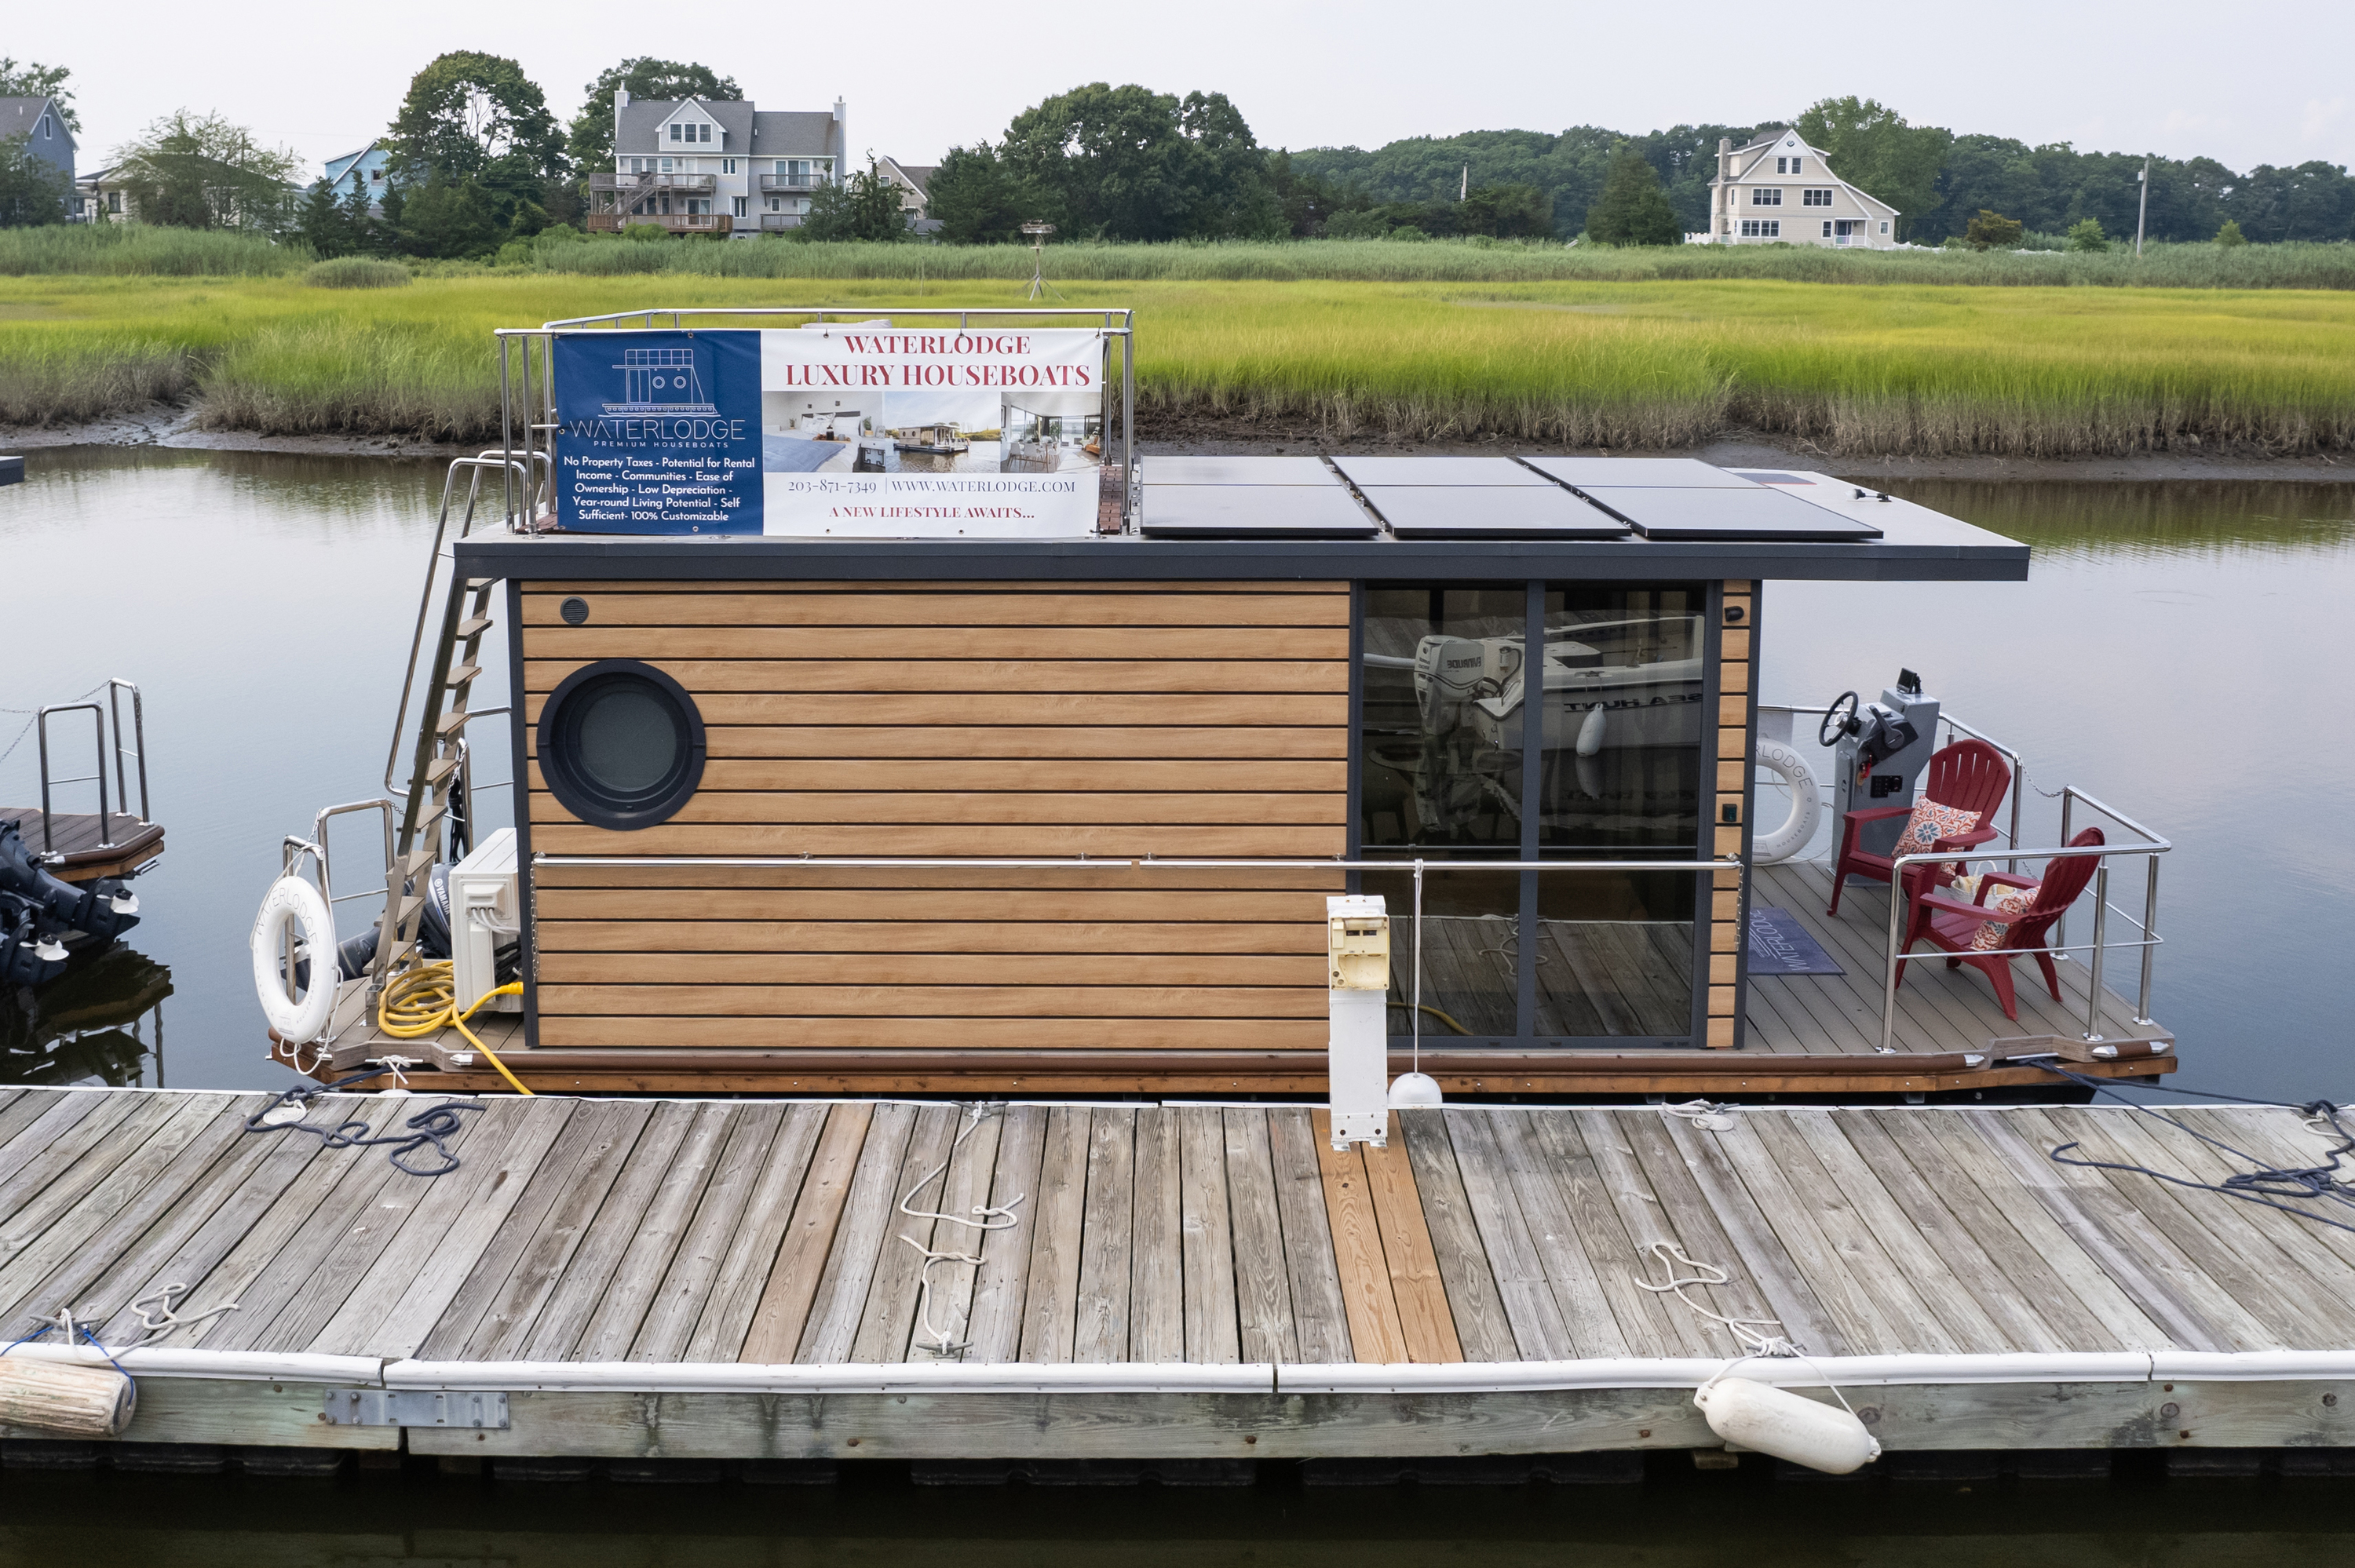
column 872, row 432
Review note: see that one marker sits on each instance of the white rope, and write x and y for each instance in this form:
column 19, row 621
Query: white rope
column 1748, row 1332
column 164, row 1320
column 987, row 1217
column 1706, row 1115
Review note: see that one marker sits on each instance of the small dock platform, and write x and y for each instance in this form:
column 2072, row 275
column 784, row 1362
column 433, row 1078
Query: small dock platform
column 768, row 1280
column 87, row 848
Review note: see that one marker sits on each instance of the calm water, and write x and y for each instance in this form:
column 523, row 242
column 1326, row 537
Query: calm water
column 2177, row 651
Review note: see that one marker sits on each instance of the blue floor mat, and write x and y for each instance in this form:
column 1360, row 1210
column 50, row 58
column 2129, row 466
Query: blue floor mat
column 1779, row 945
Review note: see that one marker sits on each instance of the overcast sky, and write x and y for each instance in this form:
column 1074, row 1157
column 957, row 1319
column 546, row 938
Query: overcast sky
column 2262, row 81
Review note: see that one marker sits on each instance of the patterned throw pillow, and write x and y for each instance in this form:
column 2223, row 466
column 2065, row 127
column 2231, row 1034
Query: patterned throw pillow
column 1929, row 823
column 2004, row 899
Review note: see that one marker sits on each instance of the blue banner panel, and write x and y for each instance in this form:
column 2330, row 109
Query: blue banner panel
column 659, row 432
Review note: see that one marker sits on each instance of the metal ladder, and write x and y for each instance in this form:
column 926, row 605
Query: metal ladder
column 435, row 815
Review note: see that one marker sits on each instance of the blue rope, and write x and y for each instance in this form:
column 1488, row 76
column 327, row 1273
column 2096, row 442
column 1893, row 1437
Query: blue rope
column 2263, row 1184
column 85, row 1334
column 430, row 1126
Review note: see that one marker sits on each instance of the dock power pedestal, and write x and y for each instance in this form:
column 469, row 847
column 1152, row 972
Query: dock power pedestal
column 1879, row 757
column 1358, row 974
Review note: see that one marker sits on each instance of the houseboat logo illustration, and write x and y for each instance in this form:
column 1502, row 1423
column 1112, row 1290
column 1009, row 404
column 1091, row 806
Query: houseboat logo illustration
column 661, row 382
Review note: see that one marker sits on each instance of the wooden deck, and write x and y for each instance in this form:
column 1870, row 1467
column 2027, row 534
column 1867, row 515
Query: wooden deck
column 78, row 836
column 1616, row 976
column 745, row 1251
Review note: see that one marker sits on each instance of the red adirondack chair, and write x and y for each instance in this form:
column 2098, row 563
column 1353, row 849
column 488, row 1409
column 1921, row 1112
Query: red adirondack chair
column 1969, row 775
column 1948, row 923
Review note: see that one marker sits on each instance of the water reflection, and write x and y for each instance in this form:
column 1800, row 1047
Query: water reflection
column 1672, row 1522
column 101, row 1020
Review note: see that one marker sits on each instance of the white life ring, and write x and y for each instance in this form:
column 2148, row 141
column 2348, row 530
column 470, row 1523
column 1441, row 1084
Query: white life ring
column 1807, row 806
column 293, row 901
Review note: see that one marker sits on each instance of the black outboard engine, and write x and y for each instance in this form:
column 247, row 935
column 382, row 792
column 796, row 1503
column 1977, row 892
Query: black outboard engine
column 356, row 952
column 28, row 955
column 92, row 916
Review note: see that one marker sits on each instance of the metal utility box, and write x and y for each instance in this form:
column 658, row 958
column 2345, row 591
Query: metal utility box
column 485, row 914
column 1357, row 966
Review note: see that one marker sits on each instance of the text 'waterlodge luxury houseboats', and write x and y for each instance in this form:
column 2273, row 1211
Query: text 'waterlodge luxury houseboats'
column 1011, row 762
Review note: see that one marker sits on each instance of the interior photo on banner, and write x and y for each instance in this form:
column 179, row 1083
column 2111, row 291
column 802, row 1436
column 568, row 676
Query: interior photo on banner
column 835, row 430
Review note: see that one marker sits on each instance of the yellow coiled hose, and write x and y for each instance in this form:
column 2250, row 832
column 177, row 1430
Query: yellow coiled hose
column 423, row 1000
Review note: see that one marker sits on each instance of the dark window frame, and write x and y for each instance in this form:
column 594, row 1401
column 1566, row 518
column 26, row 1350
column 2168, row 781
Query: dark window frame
column 1710, row 605
column 579, row 795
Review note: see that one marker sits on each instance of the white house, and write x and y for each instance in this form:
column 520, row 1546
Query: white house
column 721, row 167
column 1779, row 189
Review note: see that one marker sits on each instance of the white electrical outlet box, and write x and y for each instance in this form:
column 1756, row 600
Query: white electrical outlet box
column 1357, row 953
column 485, row 914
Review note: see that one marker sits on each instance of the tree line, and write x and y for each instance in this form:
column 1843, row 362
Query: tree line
column 478, row 163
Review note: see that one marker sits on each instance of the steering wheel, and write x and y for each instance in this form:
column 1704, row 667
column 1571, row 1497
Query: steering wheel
column 1840, row 719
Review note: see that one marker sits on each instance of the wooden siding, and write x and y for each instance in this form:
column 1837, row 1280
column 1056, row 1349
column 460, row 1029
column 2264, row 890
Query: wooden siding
column 1737, row 706
column 1041, row 720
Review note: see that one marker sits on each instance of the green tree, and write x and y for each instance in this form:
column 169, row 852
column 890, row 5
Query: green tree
column 33, row 190
column 2085, row 234
column 1124, row 162
column 590, row 139
column 199, row 171
column 2230, row 235
column 1993, row 231
column 361, row 230
column 473, row 120
column 322, row 224
column 864, row 206
column 1873, row 149
column 34, row 80
column 1632, row 209
column 448, row 217
column 1508, row 212
column 977, row 199
column 1309, row 202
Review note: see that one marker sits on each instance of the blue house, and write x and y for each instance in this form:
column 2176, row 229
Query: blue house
column 45, row 131
column 364, row 168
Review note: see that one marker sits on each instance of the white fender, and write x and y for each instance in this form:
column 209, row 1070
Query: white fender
column 1789, row 1425
column 1590, row 733
column 1807, row 806
column 293, row 901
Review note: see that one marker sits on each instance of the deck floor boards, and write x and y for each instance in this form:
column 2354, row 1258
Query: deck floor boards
column 589, row 1230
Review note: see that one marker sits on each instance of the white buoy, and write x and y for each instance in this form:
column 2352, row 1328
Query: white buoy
column 1590, row 733
column 1409, row 1090
column 1776, row 1421
column 64, row 1399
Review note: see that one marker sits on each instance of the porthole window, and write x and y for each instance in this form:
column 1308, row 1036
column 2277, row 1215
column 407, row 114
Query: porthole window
column 620, row 745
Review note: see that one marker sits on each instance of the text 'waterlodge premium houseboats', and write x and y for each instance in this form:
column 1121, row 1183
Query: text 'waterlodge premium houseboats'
column 985, row 777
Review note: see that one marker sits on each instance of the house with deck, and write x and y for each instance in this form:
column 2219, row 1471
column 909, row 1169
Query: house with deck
column 1779, row 190
column 721, row 167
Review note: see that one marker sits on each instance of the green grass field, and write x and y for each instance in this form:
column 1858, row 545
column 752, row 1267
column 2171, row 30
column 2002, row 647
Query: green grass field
column 1859, row 368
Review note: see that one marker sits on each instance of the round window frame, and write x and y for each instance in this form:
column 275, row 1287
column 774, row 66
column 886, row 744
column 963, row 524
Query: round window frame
column 570, row 784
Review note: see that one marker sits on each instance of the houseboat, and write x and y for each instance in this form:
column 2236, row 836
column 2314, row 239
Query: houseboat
column 1036, row 782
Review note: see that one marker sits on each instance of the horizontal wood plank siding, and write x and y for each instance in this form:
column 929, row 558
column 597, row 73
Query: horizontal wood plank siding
column 1032, row 720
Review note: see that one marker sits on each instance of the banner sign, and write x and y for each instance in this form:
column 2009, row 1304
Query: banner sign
column 837, row 431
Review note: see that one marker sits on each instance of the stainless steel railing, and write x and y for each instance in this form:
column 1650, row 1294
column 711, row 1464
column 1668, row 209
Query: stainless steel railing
column 137, row 750
column 2152, row 845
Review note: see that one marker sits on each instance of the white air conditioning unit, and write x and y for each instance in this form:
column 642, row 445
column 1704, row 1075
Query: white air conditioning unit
column 485, row 915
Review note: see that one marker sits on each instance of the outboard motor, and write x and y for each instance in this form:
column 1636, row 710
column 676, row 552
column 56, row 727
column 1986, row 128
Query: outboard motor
column 28, row 955
column 98, row 913
column 1879, row 752
column 356, row 952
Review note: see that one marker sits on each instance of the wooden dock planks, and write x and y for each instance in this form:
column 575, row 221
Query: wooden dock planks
column 765, row 1232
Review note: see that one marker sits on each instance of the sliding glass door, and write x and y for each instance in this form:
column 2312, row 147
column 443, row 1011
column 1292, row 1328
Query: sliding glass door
column 1476, row 755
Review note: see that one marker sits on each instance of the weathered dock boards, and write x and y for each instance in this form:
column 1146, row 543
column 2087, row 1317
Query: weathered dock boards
column 748, row 1278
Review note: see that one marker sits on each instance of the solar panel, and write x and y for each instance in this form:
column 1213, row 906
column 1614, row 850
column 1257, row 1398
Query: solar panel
column 1366, row 471
column 1769, row 476
column 1475, row 512
column 1190, row 469
column 1755, row 512
column 1254, row 510
column 1681, row 474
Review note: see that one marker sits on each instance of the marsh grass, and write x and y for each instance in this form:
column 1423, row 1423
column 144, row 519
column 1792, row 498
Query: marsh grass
column 137, row 250
column 356, row 272
column 2330, row 266
column 1922, row 369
